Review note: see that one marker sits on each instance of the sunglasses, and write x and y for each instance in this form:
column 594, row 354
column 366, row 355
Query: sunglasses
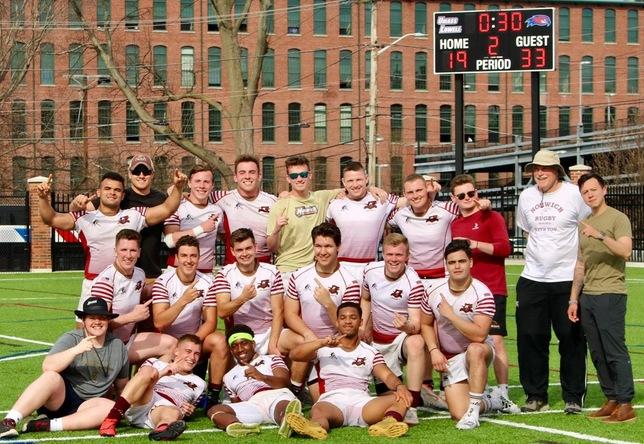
column 302, row 174
column 141, row 170
column 470, row 194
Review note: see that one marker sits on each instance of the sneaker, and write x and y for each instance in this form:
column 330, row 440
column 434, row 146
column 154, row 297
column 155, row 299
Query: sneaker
column 502, row 404
column 431, row 399
column 303, row 426
column 239, row 429
column 389, row 428
column 295, row 406
column 169, row 432
column 411, row 417
column 108, row 427
column 38, row 424
column 8, row 428
column 535, row 405
column 302, row 393
column 572, row 408
column 468, row 421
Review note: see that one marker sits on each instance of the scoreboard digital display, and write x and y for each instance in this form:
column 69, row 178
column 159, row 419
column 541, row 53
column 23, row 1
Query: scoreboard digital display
column 494, row 41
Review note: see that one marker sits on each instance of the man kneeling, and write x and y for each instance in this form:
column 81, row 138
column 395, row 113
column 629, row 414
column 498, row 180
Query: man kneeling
column 345, row 367
column 161, row 394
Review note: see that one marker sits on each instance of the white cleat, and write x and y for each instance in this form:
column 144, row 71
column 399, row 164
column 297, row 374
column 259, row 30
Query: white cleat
column 502, row 404
column 411, row 417
column 468, row 421
column 431, row 399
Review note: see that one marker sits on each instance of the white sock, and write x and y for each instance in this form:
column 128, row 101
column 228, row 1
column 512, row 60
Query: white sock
column 15, row 415
column 296, row 384
column 56, row 425
column 504, row 389
column 475, row 404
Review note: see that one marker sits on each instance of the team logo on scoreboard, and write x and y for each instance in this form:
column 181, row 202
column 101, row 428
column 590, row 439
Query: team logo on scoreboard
column 541, row 20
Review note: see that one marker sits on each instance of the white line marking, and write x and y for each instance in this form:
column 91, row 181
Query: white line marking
column 58, row 278
column 15, row 358
column 556, row 384
column 31, row 341
column 53, row 298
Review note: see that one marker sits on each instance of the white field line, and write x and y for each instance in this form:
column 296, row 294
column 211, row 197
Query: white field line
column 52, row 298
column 58, row 278
column 31, row 341
column 30, row 355
column 556, row 384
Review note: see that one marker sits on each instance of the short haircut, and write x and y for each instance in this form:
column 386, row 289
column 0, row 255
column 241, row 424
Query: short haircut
column 113, row 175
column 297, row 161
column 128, row 234
column 586, row 177
column 246, row 158
column 187, row 241
column 395, row 239
column 198, row 169
column 189, row 337
column 353, row 166
column 461, row 179
column 414, row 177
column 326, row 229
column 353, row 305
column 239, row 328
column 240, row 235
column 458, row 245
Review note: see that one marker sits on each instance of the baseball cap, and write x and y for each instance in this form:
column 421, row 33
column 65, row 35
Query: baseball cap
column 95, row 306
column 141, row 159
column 546, row 158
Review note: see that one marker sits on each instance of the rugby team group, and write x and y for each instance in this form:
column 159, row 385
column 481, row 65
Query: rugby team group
column 310, row 314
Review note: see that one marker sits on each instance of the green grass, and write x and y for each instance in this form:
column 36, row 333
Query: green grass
column 39, row 307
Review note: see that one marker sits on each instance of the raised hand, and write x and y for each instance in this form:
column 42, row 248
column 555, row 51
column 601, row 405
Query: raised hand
column 249, row 291
column 282, row 221
column 483, row 204
column 141, row 311
column 86, row 344
column 400, row 321
column 252, row 372
column 179, row 179
column 321, row 294
column 210, row 224
column 44, row 189
column 445, row 309
column 191, row 293
column 590, row 231
column 332, row 341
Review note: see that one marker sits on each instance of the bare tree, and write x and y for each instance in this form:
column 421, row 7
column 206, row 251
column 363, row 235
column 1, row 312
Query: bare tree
column 624, row 162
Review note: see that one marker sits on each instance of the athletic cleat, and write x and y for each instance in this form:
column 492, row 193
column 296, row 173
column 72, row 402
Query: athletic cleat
column 535, row 405
column 389, row 428
column 38, row 424
column 572, row 408
column 468, row 421
column 108, row 427
column 502, row 404
column 295, row 406
column 411, row 417
column 239, row 429
column 8, row 428
column 431, row 399
column 169, row 432
column 303, row 426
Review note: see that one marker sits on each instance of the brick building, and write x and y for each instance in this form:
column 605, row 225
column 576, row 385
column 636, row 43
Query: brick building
column 68, row 118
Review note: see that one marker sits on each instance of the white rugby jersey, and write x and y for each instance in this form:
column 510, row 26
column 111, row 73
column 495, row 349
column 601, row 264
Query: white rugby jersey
column 361, row 223
column 189, row 216
column 389, row 297
column 236, row 383
column 256, row 313
column 428, row 236
column 476, row 300
column 168, row 288
column 342, row 286
column 252, row 214
column 177, row 388
column 340, row 369
column 97, row 233
column 122, row 293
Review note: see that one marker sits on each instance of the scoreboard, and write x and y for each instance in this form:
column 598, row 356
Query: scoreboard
column 494, row 41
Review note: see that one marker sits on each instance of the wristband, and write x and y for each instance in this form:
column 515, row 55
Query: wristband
column 432, row 349
column 573, row 302
column 196, row 231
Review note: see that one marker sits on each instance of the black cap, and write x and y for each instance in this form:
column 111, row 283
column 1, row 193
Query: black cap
column 95, row 306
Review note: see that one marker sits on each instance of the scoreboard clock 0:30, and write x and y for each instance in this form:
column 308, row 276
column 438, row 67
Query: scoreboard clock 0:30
column 494, row 41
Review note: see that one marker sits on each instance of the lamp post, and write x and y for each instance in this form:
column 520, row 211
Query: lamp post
column 580, row 124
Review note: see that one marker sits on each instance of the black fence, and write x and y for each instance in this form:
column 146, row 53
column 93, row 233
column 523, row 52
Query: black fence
column 15, row 249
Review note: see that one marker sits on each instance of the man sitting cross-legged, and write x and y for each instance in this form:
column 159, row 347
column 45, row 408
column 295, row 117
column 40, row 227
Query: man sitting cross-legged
column 345, row 367
column 161, row 394
column 257, row 387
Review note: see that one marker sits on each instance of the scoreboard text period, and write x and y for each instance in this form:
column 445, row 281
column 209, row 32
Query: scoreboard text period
column 494, row 41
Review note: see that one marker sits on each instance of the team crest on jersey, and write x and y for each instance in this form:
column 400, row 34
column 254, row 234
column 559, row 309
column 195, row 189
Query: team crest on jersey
column 190, row 384
column 433, row 218
column 306, row 211
column 467, row 308
column 200, row 293
column 264, row 209
column 476, row 226
column 124, row 220
column 139, row 285
column 371, row 205
column 263, row 284
column 359, row 362
column 334, row 289
column 397, row 294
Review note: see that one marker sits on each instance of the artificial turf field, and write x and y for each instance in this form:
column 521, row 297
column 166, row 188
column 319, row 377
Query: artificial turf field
column 36, row 308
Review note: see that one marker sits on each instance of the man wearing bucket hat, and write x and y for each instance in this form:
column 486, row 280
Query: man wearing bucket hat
column 78, row 371
column 549, row 211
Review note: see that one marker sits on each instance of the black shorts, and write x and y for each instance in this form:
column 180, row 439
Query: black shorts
column 498, row 326
column 70, row 405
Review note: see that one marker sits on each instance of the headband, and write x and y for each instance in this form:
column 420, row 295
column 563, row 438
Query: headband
column 237, row 336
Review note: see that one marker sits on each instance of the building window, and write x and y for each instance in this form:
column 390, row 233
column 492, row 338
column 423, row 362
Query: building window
column 445, row 126
column 469, row 82
column 367, row 69
column 293, row 16
column 47, row 64
column 632, row 75
column 564, row 74
column 73, row 19
column 46, row 13
column 131, row 14
column 444, row 7
column 319, row 173
column 319, row 68
column 367, row 18
column 344, row 161
column 564, row 24
column 243, row 61
column 469, row 120
column 187, row 163
column 239, row 13
column 395, row 19
column 268, row 174
column 104, row 120
column 517, row 120
column 160, row 118
column 633, row 115
column 346, row 17
column 420, row 17
column 543, row 121
column 421, row 123
column 214, row 124
column 101, row 68
column 517, row 82
column 633, row 31
column 105, row 164
column 469, row 7
column 132, row 65
column 395, row 70
column 17, row 13
column 160, row 65
column 214, row 66
column 19, row 173
column 587, row 74
column 319, row 123
column 47, row 166
column 268, row 69
column 587, row 25
column 76, row 120
column 421, row 71
column 18, row 120
column 610, row 113
column 396, row 174
column 132, row 124
column 187, row 67
column 213, row 23
column 543, row 82
column 564, row 121
column 610, row 73
column 493, row 122
column 159, row 15
column 445, row 82
column 103, row 13
column 18, row 62
column 396, row 122
column 187, row 15
column 77, row 172
column 346, row 69
column 319, row 17
column 346, row 123
column 270, row 19
column 294, row 68
column 47, row 121
column 494, row 81
column 162, row 178
column 609, row 26
column 294, row 122
column 268, row 122
column 188, row 120
column 587, row 119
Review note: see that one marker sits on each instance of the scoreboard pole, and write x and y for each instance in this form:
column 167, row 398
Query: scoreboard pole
column 459, row 147
column 535, row 92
